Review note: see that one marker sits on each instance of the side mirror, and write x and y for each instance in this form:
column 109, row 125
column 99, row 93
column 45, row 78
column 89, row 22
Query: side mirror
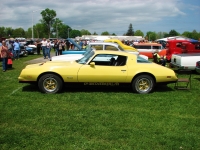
column 92, row 64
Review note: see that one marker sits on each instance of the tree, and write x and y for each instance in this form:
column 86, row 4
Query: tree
column 18, row 32
column 139, row 33
column 151, row 36
column 63, row 31
column 85, row 32
column 39, row 30
column 48, row 19
column 75, row 33
column 95, row 33
column 130, row 31
column 173, row 33
column 105, row 33
column 2, row 32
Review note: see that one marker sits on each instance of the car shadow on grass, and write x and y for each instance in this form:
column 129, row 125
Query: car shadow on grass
column 197, row 79
column 105, row 89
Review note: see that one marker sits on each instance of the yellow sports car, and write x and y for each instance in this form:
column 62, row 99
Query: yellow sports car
column 98, row 68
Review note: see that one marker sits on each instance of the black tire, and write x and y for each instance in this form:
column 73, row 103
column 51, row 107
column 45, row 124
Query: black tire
column 50, row 83
column 143, row 84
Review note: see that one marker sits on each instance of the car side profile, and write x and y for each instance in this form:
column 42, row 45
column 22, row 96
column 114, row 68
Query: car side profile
column 98, row 68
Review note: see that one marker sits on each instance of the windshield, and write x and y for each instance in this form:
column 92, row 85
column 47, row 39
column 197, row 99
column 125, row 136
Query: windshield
column 87, row 51
column 142, row 60
column 86, row 57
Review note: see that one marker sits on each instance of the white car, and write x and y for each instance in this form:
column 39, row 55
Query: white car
column 94, row 46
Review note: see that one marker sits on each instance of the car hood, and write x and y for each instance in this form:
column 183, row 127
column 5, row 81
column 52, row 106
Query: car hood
column 53, row 64
column 74, row 43
column 67, row 57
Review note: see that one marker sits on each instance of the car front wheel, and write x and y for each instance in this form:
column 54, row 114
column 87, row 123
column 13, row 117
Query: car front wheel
column 50, row 83
column 143, row 84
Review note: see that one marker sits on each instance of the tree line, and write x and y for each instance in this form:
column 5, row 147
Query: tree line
column 51, row 26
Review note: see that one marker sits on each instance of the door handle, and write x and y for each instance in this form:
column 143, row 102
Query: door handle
column 123, row 70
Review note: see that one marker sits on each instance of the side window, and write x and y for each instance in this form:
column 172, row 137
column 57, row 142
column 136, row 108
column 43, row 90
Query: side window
column 178, row 45
column 103, row 59
column 97, row 47
column 197, row 47
column 109, row 60
column 142, row 46
column 120, row 61
column 156, row 47
column 110, row 47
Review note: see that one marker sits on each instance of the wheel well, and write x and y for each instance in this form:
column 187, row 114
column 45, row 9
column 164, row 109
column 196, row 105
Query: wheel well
column 144, row 73
column 49, row 73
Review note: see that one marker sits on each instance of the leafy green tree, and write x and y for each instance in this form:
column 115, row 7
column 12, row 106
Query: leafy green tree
column 139, row 33
column 85, row 32
column 105, row 33
column 160, row 35
column 48, row 19
column 113, row 34
column 151, row 36
column 130, row 31
column 28, row 33
column 63, row 31
column 2, row 32
column 75, row 33
column 95, row 33
column 38, row 30
column 18, row 32
column 9, row 31
column 187, row 34
column 173, row 33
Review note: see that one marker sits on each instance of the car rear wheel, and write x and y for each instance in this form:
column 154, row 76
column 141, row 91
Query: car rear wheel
column 50, row 83
column 143, row 84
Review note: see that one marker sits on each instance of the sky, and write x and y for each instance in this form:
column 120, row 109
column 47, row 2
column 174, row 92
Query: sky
column 113, row 16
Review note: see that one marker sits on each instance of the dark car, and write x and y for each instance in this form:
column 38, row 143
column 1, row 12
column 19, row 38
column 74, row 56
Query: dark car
column 30, row 47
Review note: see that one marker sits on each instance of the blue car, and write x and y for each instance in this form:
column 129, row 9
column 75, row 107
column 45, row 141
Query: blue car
column 77, row 48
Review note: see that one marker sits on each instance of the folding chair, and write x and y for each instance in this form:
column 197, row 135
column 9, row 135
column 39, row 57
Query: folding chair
column 184, row 79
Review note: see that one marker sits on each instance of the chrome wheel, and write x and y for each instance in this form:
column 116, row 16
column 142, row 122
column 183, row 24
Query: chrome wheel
column 50, row 83
column 143, row 84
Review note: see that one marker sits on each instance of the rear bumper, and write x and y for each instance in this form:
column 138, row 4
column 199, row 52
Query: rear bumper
column 172, row 65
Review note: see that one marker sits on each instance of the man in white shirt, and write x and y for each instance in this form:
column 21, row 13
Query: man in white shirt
column 44, row 46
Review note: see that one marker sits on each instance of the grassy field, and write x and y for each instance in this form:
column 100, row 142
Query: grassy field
column 97, row 119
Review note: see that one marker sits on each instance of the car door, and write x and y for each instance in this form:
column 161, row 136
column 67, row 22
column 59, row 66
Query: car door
column 102, row 71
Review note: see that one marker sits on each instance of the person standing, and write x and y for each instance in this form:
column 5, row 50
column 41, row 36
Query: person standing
column 44, row 46
column 48, row 49
column 16, row 49
column 56, row 47
column 38, row 45
column 4, row 55
column 60, row 48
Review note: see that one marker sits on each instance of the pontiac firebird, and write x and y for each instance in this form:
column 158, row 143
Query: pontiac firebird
column 99, row 68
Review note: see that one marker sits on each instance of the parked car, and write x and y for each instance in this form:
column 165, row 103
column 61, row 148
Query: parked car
column 23, row 51
column 98, row 68
column 184, row 61
column 95, row 46
column 181, row 47
column 197, row 67
column 77, row 48
column 148, row 49
column 30, row 47
column 125, row 47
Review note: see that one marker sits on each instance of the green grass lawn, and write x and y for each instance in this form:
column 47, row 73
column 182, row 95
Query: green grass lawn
column 99, row 119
